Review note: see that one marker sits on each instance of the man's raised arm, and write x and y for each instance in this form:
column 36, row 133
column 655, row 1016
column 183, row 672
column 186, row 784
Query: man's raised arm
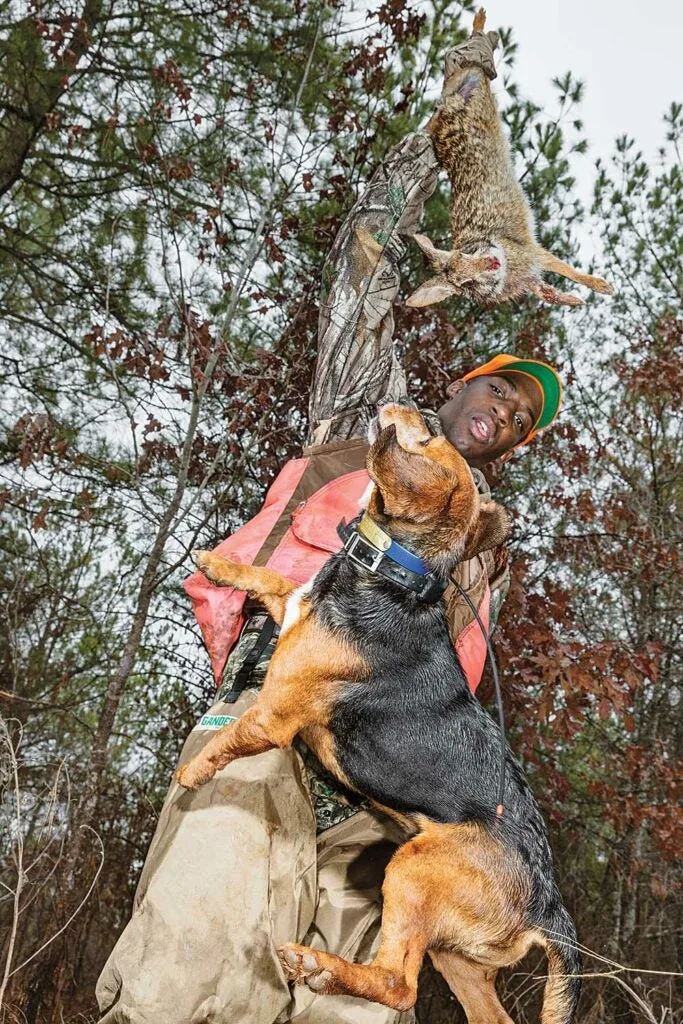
column 357, row 366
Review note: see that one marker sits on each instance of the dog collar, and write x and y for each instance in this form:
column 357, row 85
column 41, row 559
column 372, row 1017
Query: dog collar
column 373, row 532
column 367, row 544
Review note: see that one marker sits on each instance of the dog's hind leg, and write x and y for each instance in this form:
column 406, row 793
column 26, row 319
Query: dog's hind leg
column 473, row 986
column 267, row 587
column 391, row 978
column 450, row 887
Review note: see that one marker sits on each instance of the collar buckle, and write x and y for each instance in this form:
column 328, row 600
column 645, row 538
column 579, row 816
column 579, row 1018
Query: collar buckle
column 351, row 545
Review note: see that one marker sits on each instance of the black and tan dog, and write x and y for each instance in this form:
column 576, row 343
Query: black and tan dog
column 365, row 672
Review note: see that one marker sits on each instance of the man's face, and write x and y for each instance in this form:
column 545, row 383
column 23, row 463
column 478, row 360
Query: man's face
column 487, row 416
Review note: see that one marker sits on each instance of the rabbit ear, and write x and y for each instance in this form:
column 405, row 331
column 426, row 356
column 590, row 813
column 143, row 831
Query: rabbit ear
column 439, row 258
column 547, row 261
column 434, row 290
column 547, row 293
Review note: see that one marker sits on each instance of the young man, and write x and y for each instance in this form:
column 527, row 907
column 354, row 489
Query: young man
column 235, row 869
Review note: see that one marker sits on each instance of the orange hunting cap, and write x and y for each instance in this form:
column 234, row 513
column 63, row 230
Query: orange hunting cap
column 544, row 376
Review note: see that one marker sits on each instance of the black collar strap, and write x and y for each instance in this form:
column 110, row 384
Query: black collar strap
column 362, row 551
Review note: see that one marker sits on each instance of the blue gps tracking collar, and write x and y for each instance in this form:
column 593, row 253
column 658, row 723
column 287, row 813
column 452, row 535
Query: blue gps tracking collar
column 367, row 544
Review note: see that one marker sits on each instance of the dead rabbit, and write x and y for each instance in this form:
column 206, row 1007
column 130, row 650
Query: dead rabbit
column 495, row 255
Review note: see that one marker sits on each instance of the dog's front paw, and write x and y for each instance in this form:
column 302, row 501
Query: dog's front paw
column 301, row 965
column 216, row 568
column 195, row 773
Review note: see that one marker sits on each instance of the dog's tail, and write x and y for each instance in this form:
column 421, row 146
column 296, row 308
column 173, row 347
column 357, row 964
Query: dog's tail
column 564, row 967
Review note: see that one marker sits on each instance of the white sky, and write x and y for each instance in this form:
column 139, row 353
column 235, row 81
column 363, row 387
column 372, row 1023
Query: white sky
column 627, row 54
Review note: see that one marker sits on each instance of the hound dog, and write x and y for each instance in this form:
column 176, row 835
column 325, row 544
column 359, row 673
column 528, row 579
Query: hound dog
column 365, row 672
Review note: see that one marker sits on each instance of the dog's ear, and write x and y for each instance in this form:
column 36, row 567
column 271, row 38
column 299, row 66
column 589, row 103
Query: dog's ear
column 492, row 529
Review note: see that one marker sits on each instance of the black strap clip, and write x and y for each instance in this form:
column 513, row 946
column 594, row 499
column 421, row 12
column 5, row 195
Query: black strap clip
column 268, row 630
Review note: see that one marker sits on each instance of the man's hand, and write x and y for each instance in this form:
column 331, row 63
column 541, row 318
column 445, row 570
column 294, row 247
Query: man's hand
column 477, row 51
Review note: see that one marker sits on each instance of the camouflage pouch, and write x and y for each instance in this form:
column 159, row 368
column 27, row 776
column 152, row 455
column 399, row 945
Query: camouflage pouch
column 331, row 802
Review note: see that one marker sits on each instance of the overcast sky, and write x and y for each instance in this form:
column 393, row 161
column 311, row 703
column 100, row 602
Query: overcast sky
column 627, row 53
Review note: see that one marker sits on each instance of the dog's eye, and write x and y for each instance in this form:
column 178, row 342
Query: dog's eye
column 424, row 444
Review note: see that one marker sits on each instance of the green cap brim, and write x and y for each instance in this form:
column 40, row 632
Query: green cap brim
column 549, row 382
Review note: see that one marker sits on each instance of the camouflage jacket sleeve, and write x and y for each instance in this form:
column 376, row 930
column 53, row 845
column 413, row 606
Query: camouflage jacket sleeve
column 357, row 366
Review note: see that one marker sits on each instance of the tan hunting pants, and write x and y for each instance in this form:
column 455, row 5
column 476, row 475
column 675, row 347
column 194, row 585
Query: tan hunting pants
column 233, row 871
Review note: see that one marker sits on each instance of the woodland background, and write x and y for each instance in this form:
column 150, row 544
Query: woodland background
column 171, row 176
